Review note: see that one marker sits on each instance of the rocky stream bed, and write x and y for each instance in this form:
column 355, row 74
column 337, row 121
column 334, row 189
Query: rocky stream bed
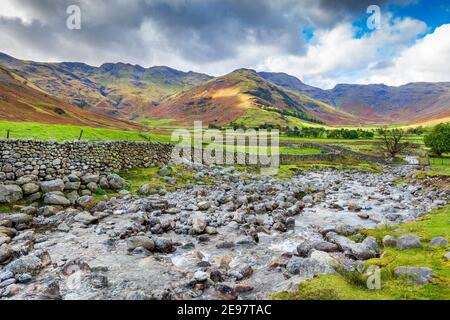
column 246, row 236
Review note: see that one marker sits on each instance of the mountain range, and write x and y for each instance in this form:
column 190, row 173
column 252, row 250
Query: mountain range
column 120, row 95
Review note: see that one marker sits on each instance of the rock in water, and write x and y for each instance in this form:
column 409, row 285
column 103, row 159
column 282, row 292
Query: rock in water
column 140, row 241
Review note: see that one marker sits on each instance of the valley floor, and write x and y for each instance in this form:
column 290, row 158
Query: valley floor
column 228, row 234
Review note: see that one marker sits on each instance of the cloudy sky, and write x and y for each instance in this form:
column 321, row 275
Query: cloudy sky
column 322, row 42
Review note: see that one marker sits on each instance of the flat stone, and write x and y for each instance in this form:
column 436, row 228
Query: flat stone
column 140, row 241
column 90, row 178
column 57, row 200
column 438, row 241
column 52, row 186
column 409, row 241
column 20, row 218
column 418, row 274
column 86, row 218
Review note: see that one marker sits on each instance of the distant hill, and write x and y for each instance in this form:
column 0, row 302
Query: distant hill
column 115, row 89
column 243, row 94
column 414, row 103
column 20, row 101
column 132, row 92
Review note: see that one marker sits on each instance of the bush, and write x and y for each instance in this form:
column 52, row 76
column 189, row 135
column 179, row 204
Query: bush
column 439, row 139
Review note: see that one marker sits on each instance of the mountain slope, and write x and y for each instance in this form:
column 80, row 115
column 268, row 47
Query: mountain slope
column 378, row 103
column 116, row 89
column 228, row 98
column 22, row 101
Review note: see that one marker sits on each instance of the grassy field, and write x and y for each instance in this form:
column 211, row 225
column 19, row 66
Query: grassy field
column 29, row 130
column 352, row 285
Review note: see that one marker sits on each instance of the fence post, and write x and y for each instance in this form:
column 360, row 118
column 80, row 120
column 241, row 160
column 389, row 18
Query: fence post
column 7, row 134
column 81, row 135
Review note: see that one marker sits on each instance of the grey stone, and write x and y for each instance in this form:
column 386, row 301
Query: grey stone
column 26, row 264
column 49, row 210
column 6, row 275
column 20, row 218
column 57, row 200
column 408, row 242
column 52, row 186
column 447, row 256
column 164, row 172
column 389, row 241
column 27, row 179
column 10, row 194
column 163, row 245
column 90, row 178
column 140, row 241
column 418, row 274
column 86, row 202
column 5, row 253
column 116, row 182
column 199, row 225
column 438, row 241
column 30, row 188
column 86, row 218
column 201, row 276
column 72, row 185
column 92, row 186
column 204, row 205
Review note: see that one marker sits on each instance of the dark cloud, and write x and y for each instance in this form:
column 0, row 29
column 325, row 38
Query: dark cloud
column 201, row 31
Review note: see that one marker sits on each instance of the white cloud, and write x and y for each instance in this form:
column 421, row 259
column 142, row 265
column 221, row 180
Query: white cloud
column 336, row 56
column 427, row 60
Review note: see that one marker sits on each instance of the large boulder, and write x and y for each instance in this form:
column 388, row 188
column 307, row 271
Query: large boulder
column 10, row 194
column 116, row 182
column 52, row 186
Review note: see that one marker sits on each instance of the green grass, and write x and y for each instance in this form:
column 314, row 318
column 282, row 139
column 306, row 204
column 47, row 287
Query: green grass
column 254, row 117
column 288, row 171
column 150, row 176
column 39, row 131
column 342, row 286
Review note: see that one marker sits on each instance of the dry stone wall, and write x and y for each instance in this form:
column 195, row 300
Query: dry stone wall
column 49, row 160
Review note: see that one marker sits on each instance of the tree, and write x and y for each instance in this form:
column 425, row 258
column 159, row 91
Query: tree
column 439, row 139
column 392, row 141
